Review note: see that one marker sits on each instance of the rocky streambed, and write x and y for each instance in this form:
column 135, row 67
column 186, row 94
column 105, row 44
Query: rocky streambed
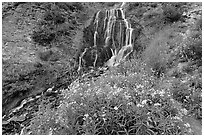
column 18, row 119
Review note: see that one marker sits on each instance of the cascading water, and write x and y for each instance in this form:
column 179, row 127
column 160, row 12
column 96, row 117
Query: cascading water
column 113, row 39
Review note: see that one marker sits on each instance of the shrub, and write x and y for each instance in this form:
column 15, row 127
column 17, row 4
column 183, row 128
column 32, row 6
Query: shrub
column 43, row 37
column 45, row 122
column 49, row 55
column 101, row 114
column 155, row 55
column 172, row 12
column 189, row 94
column 54, row 17
column 112, row 104
column 193, row 47
column 57, row 21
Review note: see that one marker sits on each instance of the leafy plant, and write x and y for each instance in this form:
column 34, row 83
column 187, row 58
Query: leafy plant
column 55, row 23
column 156, row 55
column 114, row 104
column 193, row 47
column 172, row 12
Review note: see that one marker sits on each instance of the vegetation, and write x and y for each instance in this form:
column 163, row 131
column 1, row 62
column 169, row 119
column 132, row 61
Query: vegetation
column 124, row 101
column 156, row 92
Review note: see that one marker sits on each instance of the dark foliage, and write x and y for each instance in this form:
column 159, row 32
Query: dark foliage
column 172, row 12
column 56, row 22
column 43, row 37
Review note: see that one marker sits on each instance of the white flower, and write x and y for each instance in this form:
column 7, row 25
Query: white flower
column 95, row 115
column 157, row 104
column 50, row 89
column 187, row 124
column 130, row 103
column 184, row 111
column 178, row 118
column 140, row 86
column 50, row 131
column 127, row 96
column 116, row 108
column 103, row 115
column 139, row 105
column 86, row 115
column 144, row 102
column 104, row 119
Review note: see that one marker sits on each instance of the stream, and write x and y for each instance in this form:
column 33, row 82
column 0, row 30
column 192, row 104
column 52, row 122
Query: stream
column 17, row 121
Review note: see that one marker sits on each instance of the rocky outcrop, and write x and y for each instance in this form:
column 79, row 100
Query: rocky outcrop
column 109, row 39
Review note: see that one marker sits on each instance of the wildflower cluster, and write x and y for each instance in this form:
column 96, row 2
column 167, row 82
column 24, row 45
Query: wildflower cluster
column 116, row 104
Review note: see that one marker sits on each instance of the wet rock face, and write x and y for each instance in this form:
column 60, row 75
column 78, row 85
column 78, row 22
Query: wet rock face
column 108, row 39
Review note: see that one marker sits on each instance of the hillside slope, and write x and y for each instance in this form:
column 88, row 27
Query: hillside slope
column 158, row 90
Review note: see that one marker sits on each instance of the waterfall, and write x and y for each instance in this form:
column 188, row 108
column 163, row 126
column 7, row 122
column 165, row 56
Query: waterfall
column 112, row 38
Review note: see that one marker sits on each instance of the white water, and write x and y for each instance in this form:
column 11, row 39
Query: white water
column 118, row 55
column 121, row 47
